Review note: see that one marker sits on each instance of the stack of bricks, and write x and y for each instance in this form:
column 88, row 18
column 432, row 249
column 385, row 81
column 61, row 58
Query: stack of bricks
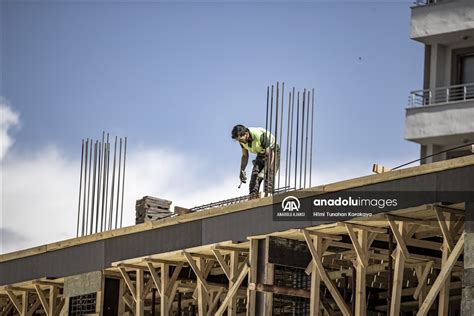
column 151, row 209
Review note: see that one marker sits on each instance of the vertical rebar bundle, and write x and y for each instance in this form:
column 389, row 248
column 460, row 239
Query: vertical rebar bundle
column 293, row 135
column 100, row 205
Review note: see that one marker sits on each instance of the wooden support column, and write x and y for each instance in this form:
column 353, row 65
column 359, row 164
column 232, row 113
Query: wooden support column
column 401, row 255
column 234, row 267
column 138, row 290
column 441, row 279
column 314, row 308
column 164, row 285
column 16, row 303
column 251, row 295
column 53, row 305
column 422, row 275
column 199, row 267
column 448, row 245
column 233, row 290
column 325, row 277
column 140, row 297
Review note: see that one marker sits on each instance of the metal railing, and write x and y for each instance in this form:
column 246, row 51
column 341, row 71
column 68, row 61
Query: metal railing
column 425, row 2
column 441, row 95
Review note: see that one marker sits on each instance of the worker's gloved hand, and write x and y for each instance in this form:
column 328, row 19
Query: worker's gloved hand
column 242, row 176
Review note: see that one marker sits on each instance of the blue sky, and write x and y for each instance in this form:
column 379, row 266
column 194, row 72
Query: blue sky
column 178, row 76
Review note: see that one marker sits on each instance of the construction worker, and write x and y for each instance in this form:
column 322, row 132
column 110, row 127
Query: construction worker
column 262, row 143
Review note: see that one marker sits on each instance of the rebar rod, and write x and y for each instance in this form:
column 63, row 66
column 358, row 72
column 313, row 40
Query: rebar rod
column 291, row 134
column 118, row 184
column 93, row 188
column 273, row 152
column 302, row 134
column 268, row 136
column 281, row 132
column 89, row 185
column 104, row 186
column 123, row 179
column 107, row 182
column 99, row 183
column 80, row 191
column 311, row 143
column 112, row 186
column 296, row 139
column 85, row 188
column 287, row 140
column 306, row 141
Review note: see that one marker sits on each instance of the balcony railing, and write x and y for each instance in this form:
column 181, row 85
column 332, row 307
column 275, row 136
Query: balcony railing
column 441, row 95
column 425, row 2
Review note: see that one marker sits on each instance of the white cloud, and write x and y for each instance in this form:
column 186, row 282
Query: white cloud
column 8, row 119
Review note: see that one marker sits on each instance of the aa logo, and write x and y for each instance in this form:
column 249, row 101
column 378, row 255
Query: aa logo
column 290, row 204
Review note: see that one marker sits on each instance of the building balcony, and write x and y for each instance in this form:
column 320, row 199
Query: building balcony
column 440, row 115
column 442, row 21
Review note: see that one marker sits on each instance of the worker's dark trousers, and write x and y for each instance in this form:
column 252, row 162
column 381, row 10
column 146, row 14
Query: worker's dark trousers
column 258, row 175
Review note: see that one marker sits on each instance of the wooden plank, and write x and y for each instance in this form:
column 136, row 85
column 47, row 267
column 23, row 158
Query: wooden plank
column 443, row 297
column 315, row 297
column 164, row 302
column 24, row 303
column 422, row 279
column 361, row 255
column 202, row 286
column 363, row 227
column 33, row 307
column 222, row 263
column 140, row 297
column 154, row 277
column 360, row 291
column 53, row 295
column 448, row 239
column 233, row 267
column 171, row 296
column 231, row 293
column 129, row 283
column 442, row 276
column 16, row 303
column 397, row 282
column 324, row 276
column 398, row 234
column 451, row 210
column 251, row 295
column 42, row 298
column 283, row 290
column 376, row 168
column 173, row 279
column 215, row 301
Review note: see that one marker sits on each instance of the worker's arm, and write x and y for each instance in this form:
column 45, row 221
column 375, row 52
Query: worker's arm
column 245, row 159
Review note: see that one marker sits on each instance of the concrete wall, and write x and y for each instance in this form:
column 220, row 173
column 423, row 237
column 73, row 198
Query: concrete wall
column 467, row 301
column 440, row 121
column 441, row 18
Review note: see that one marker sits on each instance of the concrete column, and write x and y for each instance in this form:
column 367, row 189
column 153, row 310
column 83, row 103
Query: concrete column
column 467, row 301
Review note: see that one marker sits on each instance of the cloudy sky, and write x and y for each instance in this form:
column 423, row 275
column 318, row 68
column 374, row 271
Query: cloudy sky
column 174, row 78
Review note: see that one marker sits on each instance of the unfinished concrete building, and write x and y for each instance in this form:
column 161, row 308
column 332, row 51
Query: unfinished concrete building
column 411, row 257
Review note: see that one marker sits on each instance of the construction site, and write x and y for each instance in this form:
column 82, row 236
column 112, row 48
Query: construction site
column 399, row 241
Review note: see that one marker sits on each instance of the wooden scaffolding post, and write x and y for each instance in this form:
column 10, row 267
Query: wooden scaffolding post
column 442, row 276
column 448, row 245
column 234, row 266
column 325, row 277
column 422, row 275
column 361, row 245
column 315, row 280
column 233, row 290
column 203, row 293
column 51, row 306
column 401, row 255
column 138, row 290
column 251, row 295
